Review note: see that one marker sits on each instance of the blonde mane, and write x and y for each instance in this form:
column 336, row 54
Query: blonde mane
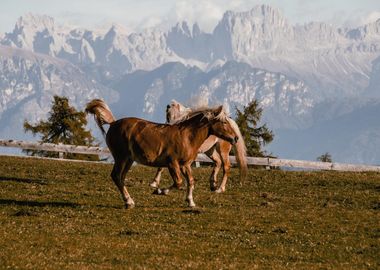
column 183, row 113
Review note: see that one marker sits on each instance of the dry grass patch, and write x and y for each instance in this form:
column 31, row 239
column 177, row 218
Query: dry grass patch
column 65, row 215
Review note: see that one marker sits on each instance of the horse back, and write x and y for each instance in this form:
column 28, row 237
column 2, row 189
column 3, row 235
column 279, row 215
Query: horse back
column 147, row 142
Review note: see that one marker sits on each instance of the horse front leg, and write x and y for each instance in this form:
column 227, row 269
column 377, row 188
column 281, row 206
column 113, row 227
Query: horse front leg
column 186, row 170
column 118, row 174
column 157, row 178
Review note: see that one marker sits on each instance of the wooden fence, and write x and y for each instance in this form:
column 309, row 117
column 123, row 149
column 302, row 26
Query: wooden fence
column 267, row 162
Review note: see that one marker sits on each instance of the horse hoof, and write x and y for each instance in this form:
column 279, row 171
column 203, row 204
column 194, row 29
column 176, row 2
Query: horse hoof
column 219, row 190
column 191, row 205
column 213, row 188
column 157, row 191
column 129, row 206
column 153, row 184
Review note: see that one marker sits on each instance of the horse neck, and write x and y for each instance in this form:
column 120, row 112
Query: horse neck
column 199, row 133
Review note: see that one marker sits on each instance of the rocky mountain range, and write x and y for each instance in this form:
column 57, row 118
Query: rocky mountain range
column 287, row 102
column 28, row 82
column 335, row 61
column 310, row 79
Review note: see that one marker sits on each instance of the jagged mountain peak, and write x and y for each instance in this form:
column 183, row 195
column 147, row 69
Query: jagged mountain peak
column 35, row 21
column 38, row 33
column 119, row 29
column 266, row 11
column 111, row 34
column 263, row 27
column 183, row 28
column 258, row 14
column 364, row 32
column 196, row 29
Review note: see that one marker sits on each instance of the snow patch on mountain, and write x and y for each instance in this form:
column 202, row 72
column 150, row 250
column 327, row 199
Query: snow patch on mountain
column 333, row 61
column 233, row 84
column 28, row 81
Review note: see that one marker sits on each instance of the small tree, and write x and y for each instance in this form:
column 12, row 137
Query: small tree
column 65, row 125
column 254, row 136
column 326, row 157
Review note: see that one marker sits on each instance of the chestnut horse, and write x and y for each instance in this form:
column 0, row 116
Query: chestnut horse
column 159, row 145
column 215, row 148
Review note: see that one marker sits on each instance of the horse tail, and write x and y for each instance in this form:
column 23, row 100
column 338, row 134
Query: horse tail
column 101, row 112
column 240, row 151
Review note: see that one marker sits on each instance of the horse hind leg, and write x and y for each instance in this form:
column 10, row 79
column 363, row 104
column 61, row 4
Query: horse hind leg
column 214, row 156
column 175, row 173
column 118, row 174
column 224, row 150
column 157, row 178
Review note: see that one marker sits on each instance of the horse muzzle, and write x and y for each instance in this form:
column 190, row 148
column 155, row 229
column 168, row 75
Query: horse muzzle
column 234, row 140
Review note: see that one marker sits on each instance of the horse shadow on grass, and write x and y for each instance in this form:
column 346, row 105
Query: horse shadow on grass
column 23, row 180
column 38, row 204
column 52, row 204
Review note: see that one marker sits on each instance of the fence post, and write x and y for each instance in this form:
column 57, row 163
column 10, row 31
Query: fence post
column 60, row 154
column 267, row 167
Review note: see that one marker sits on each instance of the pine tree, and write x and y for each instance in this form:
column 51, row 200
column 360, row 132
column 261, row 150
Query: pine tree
column 254, row 136
column 65, row 125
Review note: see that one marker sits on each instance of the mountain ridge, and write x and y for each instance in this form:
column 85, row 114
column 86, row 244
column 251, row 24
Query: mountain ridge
column 320, row 54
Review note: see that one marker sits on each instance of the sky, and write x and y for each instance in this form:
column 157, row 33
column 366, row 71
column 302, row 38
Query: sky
column 137, row 15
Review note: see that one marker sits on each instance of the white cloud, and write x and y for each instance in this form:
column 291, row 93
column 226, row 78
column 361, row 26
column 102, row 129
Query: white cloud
column 362, row 18
column 371, row 17
column 152, row 21
column 207, row 13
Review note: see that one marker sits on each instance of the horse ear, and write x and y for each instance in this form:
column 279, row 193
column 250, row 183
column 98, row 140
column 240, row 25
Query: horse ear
column 174, row 102
column 218, row 110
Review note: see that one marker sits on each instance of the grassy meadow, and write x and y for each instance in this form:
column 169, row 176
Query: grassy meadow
column 69, row 215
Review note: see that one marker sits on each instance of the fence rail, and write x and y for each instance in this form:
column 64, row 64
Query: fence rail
column 267, row 162
column 62, row 148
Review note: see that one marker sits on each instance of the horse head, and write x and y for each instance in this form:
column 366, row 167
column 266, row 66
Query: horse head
column 221, row 125
column 176, row 112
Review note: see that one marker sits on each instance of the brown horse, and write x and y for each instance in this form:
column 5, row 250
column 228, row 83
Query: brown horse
column 215, row 148
column 159, row 145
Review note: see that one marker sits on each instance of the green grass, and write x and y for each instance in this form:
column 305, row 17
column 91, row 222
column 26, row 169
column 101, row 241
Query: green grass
column 66, row 215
